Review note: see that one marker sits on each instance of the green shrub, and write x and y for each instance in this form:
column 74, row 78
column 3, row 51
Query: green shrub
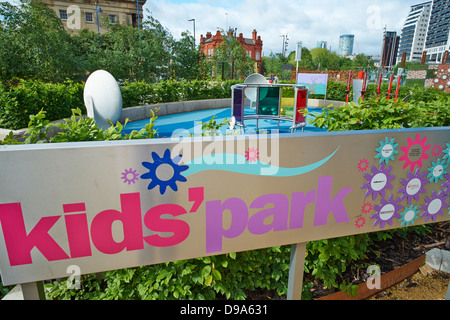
column 20, row 101
column 28, row 97
column 385, row 113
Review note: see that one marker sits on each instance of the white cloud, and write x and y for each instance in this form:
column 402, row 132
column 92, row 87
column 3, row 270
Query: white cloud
column 308, row 21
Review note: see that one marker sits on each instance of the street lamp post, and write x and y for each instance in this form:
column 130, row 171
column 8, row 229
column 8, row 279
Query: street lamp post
column 139, row 26
column 97, row 10
column 193, row 20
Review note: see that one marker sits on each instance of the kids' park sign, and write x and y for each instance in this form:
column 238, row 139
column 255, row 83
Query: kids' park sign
column 110, row 205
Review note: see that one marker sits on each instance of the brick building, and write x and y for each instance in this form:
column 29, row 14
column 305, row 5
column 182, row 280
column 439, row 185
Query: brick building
column 80, row 14
column 252, row 46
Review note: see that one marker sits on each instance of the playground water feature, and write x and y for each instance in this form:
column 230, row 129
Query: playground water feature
column 179, row 123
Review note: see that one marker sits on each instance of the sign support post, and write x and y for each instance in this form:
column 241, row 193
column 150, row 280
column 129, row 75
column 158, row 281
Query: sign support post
column 296, row 269
column 33, row 290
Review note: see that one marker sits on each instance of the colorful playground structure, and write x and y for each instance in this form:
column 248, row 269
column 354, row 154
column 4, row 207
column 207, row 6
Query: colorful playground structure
column 266, row 102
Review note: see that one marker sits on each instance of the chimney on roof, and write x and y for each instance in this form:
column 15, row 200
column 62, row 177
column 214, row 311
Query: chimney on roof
column 254, row 35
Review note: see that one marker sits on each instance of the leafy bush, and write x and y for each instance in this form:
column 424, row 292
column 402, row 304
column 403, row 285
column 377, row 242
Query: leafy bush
column 385, row 113
column 28, row 97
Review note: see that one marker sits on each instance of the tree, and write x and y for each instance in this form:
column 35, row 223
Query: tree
column 130, row 54
column 230, row 57
column 273, row 64
column 325, row 60
column 187, row 60
column 363, row 62
column 34, row 44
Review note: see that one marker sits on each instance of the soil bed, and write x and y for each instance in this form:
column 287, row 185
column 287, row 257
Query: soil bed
column 389, row 255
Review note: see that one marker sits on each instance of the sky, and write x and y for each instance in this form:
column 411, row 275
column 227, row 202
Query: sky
column 308, row 21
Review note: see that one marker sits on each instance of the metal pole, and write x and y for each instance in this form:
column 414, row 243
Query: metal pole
column 193, row 20
column 98, row 25
column 139, row 26
column 33, row 291
column 296, row 269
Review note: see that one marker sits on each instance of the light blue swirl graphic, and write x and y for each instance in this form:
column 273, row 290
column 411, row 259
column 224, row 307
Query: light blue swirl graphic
column 238, row 164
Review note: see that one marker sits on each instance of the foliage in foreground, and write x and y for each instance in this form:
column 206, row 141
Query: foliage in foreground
column 383, row 113
column 24, row 98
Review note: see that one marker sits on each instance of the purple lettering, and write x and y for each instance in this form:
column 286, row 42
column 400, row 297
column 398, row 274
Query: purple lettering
column 324, row 206
column 214, row 221
column 298, row 205
column 280, row 213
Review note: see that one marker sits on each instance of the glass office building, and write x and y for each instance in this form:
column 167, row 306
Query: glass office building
column 346, row 44
column 438, row 35
column 389, row 49
column 414, row 32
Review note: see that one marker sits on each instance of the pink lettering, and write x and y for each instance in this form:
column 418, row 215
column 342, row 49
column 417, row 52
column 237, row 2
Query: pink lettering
column 19, row 244
column 153, row 221
column 131, row 219
column 79, row 235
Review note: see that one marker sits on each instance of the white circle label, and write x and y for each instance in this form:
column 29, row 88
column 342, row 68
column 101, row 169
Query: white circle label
column 387, row 150
column 387, row 212
column 437, row 171
column 378, row 181
column 434, row 206
column 413, row 186
column 409, row 216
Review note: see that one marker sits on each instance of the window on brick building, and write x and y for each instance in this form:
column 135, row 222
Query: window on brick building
column 63, row 14
column 89, row 17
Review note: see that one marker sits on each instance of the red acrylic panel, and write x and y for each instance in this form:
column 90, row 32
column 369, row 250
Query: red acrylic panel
column 302, row 98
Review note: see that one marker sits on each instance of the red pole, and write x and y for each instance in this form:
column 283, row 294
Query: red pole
column 390, row 86
column 379, row 84
column 348, row 85
column 398, row 87
column 364, row 86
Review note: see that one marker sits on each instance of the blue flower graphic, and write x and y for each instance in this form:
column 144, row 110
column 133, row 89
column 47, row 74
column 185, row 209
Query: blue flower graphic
column 387, row 150
column 167, row 166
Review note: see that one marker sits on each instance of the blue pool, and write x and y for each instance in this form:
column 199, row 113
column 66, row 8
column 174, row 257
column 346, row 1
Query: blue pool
column 191, row 121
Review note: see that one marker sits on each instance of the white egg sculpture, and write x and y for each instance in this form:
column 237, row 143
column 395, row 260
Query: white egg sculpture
column 102, row 98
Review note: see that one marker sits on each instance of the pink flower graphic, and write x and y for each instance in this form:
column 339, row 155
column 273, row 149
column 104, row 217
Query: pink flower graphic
column 252, row 154
column 360, row 222
column 415, row 152
column 437, row 149
column 363, row 165
column 366, row 208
